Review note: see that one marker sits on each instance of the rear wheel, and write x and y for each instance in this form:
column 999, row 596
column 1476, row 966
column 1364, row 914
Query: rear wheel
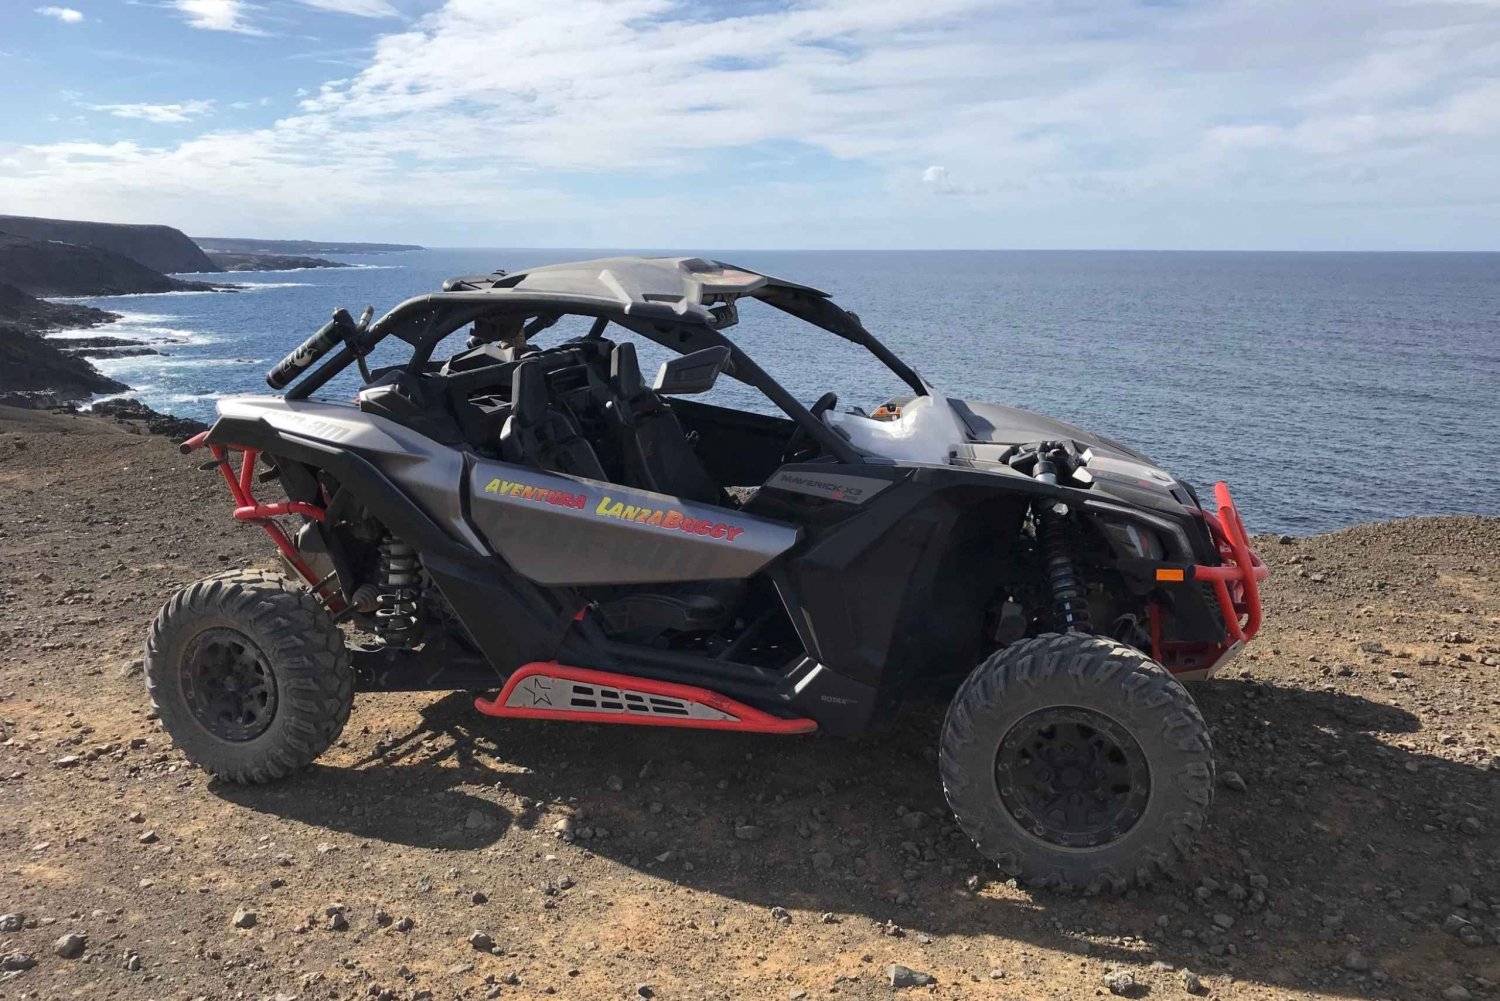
column 249, row 675
column 1077, row 762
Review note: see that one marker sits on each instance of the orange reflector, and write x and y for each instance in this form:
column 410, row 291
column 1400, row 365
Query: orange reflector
column 1168, row 574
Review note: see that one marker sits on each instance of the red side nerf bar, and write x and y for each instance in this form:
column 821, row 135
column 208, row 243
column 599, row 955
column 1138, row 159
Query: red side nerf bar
column 1236, row 587
column 247, row 508
column 579, row 694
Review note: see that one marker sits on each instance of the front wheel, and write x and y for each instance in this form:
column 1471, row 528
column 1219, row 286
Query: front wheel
column 249, row 675
column 1077, row 762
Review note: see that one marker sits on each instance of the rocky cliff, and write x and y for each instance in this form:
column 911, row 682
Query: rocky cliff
column 31, row 365
column 160, row 248
column 17, row 309
column 47, row 268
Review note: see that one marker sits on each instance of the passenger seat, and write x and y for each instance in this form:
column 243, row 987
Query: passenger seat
column 658, row 455
column 541, row 434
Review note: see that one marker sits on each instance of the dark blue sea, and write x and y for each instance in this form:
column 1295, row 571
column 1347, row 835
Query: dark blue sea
column 1327, row 389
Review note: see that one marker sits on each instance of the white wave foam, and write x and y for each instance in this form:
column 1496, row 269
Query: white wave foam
column 128, row 394
column 149, row 364
column 150, row 335
column 191, row 397
column 129, row 316
column 257, row 286
column 132, row 295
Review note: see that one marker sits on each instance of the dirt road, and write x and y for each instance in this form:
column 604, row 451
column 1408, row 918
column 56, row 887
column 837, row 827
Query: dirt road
column 1354, row 848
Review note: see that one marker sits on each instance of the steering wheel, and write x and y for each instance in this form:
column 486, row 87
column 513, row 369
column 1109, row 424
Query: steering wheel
column 800, row 445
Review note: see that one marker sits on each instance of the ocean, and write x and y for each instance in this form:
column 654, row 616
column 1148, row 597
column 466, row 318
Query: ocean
column 1327, row 389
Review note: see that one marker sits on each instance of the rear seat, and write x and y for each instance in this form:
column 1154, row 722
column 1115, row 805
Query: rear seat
column 541, row 432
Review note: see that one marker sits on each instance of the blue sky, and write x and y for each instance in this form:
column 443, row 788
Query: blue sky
column 1255, row 124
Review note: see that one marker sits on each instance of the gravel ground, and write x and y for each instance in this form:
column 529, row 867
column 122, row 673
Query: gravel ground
column 1353, row 851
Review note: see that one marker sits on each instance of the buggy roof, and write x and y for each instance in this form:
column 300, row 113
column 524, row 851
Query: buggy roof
column 677, row 288
column 632, row 291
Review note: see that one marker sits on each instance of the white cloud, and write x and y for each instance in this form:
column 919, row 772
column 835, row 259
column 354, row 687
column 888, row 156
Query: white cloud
column 940, row 181
column 361, row 8
column 67, row 15
column 218, row 15
column 158, row 113
column 1109, row 120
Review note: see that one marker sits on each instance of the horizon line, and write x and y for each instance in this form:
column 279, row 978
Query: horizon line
column 938, row 250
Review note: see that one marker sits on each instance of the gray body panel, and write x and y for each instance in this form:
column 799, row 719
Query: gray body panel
column 1001, row 425
column 429, row 473
column 560, row 530
column 603, row 534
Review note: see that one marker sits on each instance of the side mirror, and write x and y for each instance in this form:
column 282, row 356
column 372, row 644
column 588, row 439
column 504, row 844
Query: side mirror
column 693, row 373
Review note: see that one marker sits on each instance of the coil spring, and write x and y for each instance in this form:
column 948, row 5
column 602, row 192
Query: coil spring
column 1069, row 596
column 396, row 605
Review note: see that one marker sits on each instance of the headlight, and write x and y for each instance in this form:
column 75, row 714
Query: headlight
column 1132, row 540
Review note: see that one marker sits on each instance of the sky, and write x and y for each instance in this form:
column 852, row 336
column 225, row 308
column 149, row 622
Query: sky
column 1169, row 124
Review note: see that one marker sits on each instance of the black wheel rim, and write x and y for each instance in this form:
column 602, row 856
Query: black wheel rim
column 228, row 685
column 1072, row 777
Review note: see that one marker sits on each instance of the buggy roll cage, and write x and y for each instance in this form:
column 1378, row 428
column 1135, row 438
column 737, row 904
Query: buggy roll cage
column 680, row 303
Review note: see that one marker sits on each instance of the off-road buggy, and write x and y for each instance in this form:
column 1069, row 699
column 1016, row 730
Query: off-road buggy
column 543, row 526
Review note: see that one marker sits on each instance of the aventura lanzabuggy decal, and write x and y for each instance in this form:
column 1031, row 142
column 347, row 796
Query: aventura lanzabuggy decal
column 667, row 519
column 569, row 531
column 542, row 495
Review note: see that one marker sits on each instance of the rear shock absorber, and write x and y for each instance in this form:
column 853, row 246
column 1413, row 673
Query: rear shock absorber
column 396, row 605
column 1069, row 596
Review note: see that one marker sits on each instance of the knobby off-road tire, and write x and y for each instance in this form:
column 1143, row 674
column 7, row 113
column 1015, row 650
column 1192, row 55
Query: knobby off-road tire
column 1037, row 697
column 249, row 674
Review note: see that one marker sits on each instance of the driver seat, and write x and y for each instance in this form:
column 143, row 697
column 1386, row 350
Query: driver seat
column 658, row 454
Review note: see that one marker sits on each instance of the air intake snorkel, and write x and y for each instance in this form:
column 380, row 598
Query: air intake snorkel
column 340, row 329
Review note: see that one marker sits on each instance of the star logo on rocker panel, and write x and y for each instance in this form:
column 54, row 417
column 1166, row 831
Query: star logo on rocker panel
column 537, row 689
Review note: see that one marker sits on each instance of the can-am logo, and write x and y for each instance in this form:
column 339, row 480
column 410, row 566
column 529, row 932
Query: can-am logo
column 315, row 427
column 542, row 495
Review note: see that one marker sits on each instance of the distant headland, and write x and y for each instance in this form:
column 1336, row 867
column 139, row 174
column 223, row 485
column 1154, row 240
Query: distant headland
column 242, row 245
column 51, row 258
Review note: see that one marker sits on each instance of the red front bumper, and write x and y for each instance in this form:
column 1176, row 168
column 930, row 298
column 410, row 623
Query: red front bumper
column 1237, row 580
column 1235, row 583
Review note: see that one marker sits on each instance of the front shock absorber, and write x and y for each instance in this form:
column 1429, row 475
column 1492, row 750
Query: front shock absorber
column 399, row 581
column 1069, row 595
